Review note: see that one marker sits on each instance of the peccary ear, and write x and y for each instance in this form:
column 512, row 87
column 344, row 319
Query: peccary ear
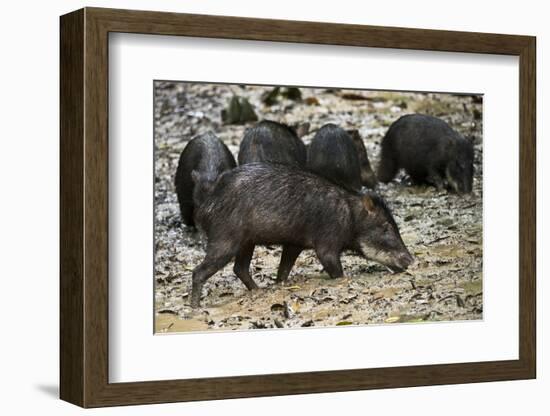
column 301, row 129
column 195, row 176
column 368, row 203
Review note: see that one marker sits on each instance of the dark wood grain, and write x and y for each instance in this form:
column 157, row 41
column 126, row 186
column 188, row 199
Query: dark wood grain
column 84, row 207
column 527, row 208
column 226, row 27
column 71, row 100
column 96, row 219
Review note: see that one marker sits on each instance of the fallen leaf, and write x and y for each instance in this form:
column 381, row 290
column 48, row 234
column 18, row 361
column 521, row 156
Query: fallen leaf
column 354, row 97
column 168, row 311
column 277, row 307
column 311, row 101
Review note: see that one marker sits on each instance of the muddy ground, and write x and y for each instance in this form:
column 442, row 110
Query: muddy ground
column 442, row 230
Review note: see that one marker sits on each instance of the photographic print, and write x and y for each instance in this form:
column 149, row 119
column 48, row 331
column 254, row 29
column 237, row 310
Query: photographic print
column 281, row 207
column 327, row 202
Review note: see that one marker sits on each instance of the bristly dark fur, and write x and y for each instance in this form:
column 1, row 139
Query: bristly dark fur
column 368, row 178
column 430, row 151
column 208, row 156
column 382, row 206
column 333, row 155
column 260, row 203
column 272, row 142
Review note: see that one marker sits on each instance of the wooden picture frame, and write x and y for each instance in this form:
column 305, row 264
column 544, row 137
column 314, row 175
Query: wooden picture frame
column 84, row 207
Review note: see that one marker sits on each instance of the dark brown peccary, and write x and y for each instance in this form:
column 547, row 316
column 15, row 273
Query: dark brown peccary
column 273, row 142
column 202, row 160
column 332, row 154
column 430, row 151
column 368, row 178
column 276, row 204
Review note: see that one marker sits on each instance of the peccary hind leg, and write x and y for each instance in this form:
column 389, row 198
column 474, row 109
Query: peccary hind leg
column 242, row 266
column 387, row 169
column 216, row 258
column 288, row 258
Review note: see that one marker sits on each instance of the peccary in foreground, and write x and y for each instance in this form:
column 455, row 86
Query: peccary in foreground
column 276, row 204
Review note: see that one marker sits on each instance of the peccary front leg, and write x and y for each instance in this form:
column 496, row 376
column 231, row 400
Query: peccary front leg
column 242, row 266
column 330, row 260
column 216, row 258
column 186, row 209
column 288, row 258
column 387, row 169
